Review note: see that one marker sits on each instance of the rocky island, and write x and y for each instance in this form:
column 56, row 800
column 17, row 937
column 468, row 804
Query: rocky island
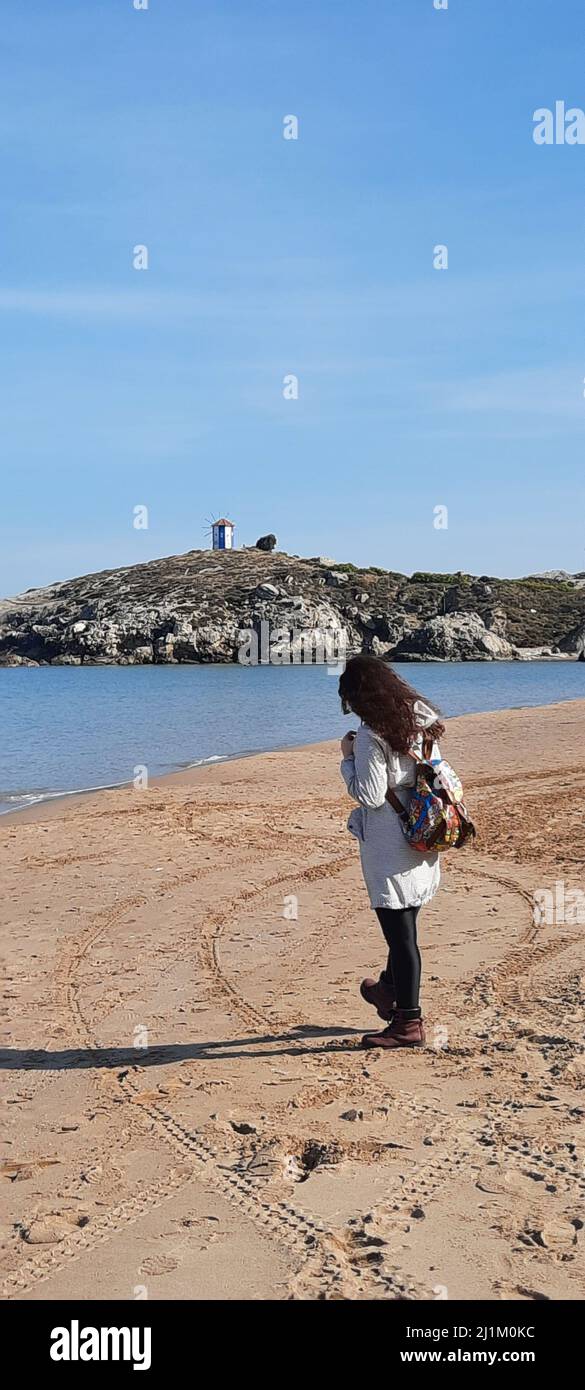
column 193, row 608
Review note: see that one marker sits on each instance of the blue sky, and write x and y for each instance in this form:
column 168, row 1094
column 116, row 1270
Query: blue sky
column 417, row 387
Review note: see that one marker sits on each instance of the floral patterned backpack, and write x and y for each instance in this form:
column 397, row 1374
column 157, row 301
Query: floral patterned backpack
column 435, row 818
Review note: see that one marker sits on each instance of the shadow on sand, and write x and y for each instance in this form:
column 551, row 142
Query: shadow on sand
column 71, row 1059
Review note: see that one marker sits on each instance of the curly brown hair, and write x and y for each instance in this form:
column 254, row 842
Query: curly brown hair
column 370, row 688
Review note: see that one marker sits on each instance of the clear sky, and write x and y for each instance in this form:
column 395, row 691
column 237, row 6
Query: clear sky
column 417, row 387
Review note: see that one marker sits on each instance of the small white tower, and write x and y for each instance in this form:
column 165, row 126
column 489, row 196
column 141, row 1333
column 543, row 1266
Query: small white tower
column 223, row 534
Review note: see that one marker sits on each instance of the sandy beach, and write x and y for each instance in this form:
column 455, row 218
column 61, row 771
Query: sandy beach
column 186, row 1110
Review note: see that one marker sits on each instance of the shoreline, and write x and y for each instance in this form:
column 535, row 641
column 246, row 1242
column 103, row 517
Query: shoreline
column 400, row 661
column 34, row 811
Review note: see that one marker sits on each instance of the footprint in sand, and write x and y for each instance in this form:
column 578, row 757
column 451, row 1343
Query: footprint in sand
column 94, row 1172
column 271, row 1162
column 159, row 1264
column 508, row 1182
column 556, row 1236
column 48, row 1228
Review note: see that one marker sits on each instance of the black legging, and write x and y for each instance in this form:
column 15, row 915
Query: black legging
column 404, row 963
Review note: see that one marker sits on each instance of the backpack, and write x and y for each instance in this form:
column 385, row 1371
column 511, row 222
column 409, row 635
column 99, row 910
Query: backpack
column 436, row 817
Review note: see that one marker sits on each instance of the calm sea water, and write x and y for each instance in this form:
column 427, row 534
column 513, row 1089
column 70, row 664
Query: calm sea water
column 67, row 729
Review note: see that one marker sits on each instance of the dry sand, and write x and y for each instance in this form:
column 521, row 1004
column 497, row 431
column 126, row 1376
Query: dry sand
column 252, row 1150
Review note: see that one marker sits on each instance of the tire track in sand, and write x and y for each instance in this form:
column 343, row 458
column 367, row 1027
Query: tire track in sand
column 331, row 1260
column 307, row 1239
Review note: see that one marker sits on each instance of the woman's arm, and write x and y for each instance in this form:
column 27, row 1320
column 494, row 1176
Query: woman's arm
column 365, row 772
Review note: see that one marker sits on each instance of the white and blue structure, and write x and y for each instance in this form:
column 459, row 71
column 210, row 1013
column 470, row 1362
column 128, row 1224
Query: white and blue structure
column 222, row 531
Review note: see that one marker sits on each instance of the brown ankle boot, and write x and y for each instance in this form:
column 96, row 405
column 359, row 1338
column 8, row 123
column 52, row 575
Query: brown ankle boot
column 401, row 1032
column 376, row 992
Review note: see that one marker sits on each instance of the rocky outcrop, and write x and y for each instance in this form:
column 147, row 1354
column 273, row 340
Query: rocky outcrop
column 266, row 542
column 455, row 637
column 199, row 607
column 336, row 578
column 574, row 640
column 578, row 580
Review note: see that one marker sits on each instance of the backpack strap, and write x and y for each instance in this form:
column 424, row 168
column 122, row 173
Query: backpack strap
column 396, row 803
column 394, row 800
column 427, row 747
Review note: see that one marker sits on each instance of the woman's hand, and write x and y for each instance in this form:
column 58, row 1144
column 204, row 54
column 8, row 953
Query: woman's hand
column 347, row 745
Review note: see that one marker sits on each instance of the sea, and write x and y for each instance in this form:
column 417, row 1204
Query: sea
column 71, row 729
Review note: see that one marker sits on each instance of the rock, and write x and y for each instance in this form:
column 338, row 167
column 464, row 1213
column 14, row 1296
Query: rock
column 267, row 591
column 380, row 648
column 496, row 620
column 336, row 578
column 386, row 633
column 542, row 654
column 454, row 637
column 13, row 660
column 266, row 542
column 578, row 580
column 352, row 1115
column 574, row 640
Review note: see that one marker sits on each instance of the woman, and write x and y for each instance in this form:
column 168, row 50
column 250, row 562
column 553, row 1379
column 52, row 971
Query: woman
column 399, row 879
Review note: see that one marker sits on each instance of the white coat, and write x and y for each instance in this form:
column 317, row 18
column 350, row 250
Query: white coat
column 395, row 875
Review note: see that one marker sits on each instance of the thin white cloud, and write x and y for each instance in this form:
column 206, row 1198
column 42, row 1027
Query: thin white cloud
column 273, row 289
column 533, row 391
column 106, row 303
